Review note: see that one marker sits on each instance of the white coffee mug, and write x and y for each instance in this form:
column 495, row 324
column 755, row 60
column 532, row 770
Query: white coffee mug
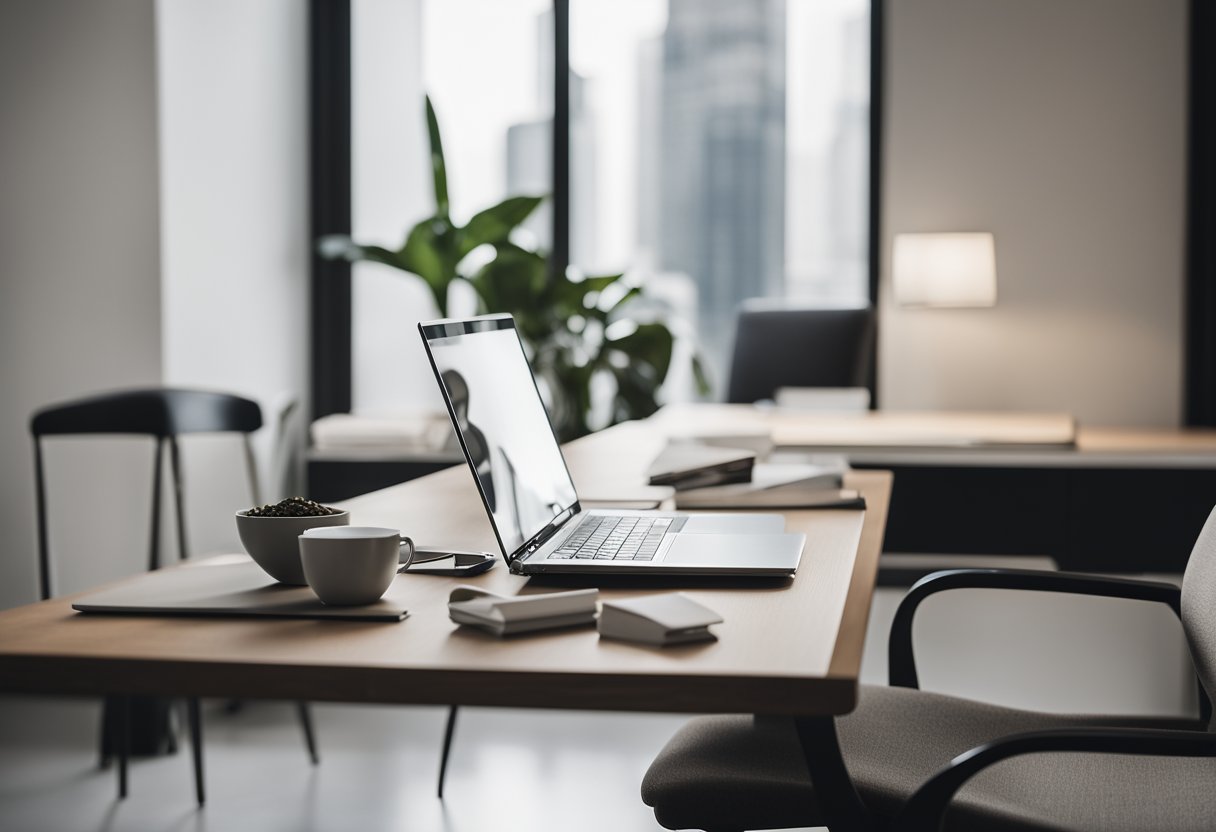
column 352, row 565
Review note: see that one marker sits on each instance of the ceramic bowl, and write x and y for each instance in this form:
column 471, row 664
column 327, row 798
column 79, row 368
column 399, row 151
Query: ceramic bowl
column 274, row 542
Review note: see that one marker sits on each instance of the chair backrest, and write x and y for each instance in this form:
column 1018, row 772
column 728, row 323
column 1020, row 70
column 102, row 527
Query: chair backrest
column 1199, row 606
column 156, row 412
column 777, row 348
column 161, row 413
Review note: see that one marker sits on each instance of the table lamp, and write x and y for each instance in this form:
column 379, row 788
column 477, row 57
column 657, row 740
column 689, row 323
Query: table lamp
column 955, row 269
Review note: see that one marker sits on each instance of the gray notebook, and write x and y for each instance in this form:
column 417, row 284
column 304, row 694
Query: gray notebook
column 227, row 589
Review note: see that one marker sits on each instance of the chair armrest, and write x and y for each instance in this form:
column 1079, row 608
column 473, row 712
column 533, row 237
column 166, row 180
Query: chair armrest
column 902, row 663
column 926, row 809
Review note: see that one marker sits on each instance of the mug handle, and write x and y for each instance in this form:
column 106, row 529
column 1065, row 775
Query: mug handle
column 404, row 564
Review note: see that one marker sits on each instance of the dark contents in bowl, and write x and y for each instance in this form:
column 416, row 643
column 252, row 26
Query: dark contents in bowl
column 293, row 507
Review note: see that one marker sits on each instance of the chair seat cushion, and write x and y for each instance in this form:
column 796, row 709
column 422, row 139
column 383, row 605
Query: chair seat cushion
column 741, row 772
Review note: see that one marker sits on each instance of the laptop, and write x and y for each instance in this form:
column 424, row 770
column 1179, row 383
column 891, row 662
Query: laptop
column 513, row 454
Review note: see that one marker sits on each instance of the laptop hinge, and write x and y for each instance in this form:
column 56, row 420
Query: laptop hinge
column 548, row 531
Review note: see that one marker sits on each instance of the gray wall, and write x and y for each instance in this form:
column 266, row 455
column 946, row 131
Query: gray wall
column 79, row 241
column 1059, row 127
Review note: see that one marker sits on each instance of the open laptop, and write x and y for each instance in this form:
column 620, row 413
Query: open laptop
column 523, row 480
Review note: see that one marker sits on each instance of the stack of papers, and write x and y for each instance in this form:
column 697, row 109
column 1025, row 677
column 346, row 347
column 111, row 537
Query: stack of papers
column 506, row 615
column 671, row 618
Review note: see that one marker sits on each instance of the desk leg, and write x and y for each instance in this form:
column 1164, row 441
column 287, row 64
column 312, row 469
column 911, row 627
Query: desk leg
column 448, row 731
column 196, row 746
column 123, row 741
column 839, row 802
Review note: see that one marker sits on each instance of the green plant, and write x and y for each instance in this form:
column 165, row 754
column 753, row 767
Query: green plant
column 577, row 330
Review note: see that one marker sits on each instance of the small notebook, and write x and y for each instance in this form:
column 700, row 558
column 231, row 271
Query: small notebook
column 507, row 615
column 671, row 618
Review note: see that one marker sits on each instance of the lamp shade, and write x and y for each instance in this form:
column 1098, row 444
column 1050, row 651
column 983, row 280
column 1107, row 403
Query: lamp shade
column 945, row 269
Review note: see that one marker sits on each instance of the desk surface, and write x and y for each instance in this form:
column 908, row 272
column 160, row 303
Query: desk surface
column 949, row 438
column 790, row 647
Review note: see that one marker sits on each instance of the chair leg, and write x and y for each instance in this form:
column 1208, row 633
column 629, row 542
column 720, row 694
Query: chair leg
column 196, row 745
column 44, row 555
column 179, row 507
column 154, row 543
column 251, row 469
column 123, row 742
column 106, row 743
column 841, row 806
column 310, row 737
column 173, row 721
column 448, row 731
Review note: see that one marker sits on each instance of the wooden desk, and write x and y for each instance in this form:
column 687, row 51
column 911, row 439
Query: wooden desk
column 1108, row 500
column 789, row 647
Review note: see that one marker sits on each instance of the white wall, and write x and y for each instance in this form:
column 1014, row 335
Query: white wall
column 1059, row 127
column 142, row 141
column 232, row 88
column 390, row 191
column 79, row 275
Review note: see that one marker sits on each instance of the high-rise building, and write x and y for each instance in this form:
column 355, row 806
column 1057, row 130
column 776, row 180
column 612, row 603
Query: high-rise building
column 722, row 151
column 848, row 169
column 530, row 156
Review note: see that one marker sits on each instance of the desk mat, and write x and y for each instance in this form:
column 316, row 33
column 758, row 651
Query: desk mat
column 226, row 589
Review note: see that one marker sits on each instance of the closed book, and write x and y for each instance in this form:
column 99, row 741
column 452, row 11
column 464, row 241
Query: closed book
column 785, row 497
column 671, row 618
column 692, row 465
column 778, row 486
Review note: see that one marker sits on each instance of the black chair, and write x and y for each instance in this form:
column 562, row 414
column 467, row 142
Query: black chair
column 777, row 348
column 911, row 761
column 163, row 415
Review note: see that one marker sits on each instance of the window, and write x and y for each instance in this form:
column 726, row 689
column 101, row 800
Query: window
column 720, row 149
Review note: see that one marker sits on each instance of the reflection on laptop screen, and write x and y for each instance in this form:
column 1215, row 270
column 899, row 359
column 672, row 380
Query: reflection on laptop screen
column 499, row 414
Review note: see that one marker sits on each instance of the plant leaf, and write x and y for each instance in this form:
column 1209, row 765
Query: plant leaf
column 597, row 284
column 700, row 374
column 342, row 247
column 633, row 292
column 423, row 255
column 635, row 394
column 514, row 281
column 439, row 169
column 494, row 224
column 571, row 294
column 650, row 344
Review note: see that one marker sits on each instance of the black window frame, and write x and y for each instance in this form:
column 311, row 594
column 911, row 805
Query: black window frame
column 329, row 97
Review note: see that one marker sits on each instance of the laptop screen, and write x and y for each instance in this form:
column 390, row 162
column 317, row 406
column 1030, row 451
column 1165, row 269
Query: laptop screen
column 504, row 429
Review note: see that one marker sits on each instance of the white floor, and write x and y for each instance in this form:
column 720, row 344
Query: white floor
column 544, row 770
column 533, row 770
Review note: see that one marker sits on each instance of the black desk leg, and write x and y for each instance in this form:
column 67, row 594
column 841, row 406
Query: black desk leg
column 123, row 741
column 448, row 731
column 196, row 746
column 839, row 802
column 310, row 738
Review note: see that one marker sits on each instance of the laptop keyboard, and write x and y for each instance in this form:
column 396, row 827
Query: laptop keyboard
column 617, row 538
